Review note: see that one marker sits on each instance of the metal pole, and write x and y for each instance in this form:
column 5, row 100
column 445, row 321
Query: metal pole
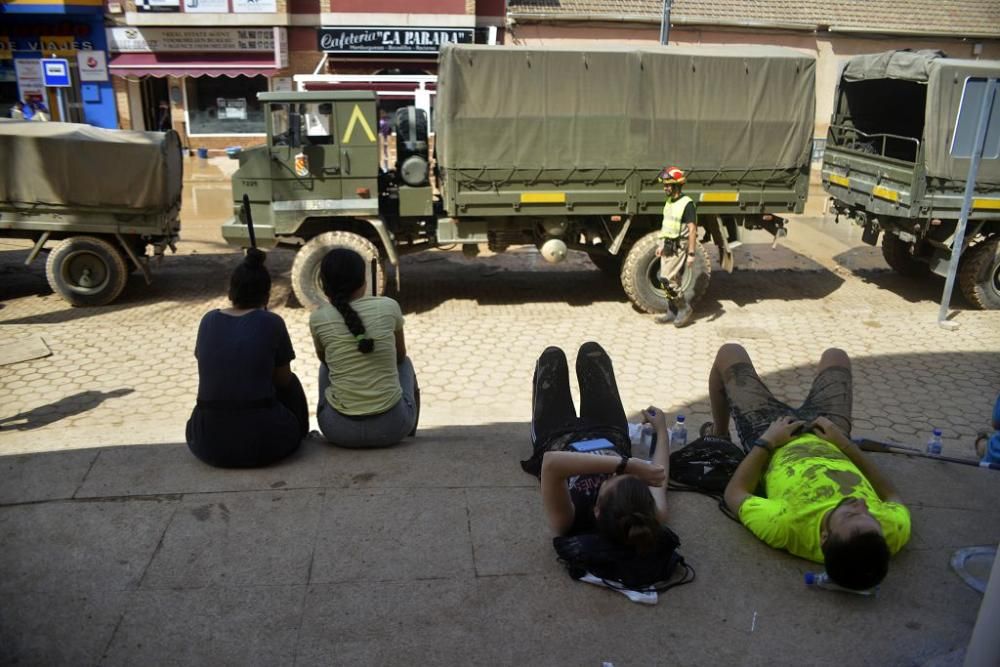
column 984, row 646
column 963, row 219
column 62, row 107
column 665, row 22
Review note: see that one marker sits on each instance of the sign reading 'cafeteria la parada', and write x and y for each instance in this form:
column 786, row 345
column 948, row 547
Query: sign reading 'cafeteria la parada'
column 388, row 39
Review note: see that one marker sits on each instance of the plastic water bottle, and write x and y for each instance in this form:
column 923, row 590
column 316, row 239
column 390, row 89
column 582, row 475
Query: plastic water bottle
column 934, row 444
column 643, row 438
column 678, row 434
column 817, row 580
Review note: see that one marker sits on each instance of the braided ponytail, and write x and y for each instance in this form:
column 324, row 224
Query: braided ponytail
column 342, row 273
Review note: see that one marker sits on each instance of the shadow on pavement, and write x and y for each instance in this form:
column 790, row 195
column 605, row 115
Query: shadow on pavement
column 915, row 290
column 437, row 552
column 67, row 406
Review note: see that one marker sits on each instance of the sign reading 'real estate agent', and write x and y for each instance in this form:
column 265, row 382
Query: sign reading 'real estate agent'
column 157, row 40
column 387, row 39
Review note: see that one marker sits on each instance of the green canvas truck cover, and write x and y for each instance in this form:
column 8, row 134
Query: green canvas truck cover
column 68, row 165
column 733, row 107
column 945, row 80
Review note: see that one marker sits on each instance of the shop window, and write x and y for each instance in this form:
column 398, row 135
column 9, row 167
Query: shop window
column 224, row 105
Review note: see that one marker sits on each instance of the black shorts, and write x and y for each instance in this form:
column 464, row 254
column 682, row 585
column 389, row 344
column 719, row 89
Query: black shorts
column 755, row 408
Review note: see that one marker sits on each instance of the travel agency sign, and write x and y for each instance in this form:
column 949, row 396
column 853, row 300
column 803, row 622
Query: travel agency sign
column 388, row 39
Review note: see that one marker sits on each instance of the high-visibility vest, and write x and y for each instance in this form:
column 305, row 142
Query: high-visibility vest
column 672, row 213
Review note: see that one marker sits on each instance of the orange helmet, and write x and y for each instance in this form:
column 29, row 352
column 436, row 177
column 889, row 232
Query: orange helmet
column 672, row 175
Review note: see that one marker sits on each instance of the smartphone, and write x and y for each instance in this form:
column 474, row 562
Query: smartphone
column 591, row 445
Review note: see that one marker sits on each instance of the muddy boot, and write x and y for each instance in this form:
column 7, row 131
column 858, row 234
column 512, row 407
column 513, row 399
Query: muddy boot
column 667, row 317
column 684, row 313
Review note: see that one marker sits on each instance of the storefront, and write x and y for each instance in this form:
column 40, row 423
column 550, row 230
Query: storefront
column 202, row 82
column 399, row 63
column 73, row 31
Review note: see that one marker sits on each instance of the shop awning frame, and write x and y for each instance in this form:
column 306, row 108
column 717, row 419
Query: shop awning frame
column 174, row 64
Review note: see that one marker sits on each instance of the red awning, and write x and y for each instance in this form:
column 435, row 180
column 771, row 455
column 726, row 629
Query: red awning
column 175, row 64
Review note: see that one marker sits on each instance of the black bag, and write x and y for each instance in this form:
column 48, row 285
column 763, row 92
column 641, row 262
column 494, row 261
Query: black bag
column 624, row 565
column 706, row 466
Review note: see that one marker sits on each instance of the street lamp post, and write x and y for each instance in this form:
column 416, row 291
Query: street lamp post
column 665, row 22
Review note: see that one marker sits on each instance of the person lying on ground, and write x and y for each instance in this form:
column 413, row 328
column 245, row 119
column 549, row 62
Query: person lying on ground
column 600, row 489
column 251, row 409
column 368, row 393
column 804, row 486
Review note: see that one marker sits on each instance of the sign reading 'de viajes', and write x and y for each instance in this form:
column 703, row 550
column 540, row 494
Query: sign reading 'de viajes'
column 382, row 39
column 147, row 40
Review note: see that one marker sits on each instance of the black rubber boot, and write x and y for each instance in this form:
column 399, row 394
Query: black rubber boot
column 684, row 313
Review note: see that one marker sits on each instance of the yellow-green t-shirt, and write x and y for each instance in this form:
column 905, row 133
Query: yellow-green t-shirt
column 360, row 384
column 806, row 479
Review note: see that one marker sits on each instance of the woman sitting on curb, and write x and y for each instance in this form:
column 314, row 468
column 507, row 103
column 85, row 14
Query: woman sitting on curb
column 368, row 394
column 251, row 409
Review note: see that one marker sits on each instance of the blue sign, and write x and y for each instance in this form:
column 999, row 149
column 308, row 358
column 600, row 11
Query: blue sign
column 55, row 73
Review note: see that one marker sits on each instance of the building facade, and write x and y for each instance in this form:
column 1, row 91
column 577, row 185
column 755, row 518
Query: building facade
column 68, row 30
column 197, row 65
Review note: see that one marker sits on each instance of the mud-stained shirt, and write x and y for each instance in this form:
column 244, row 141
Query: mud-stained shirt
column 807, row 478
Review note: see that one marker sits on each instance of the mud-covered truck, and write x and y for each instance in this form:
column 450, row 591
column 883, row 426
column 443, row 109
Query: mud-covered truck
column 888, row 166
column 97, row 198
column 555, row 148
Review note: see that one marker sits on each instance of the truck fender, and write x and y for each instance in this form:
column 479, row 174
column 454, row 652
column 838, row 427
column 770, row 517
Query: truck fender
column 387, row 243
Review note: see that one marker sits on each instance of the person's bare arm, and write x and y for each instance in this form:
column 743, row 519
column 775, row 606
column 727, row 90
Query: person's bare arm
column 829, row 431
column 400, row 347
column 692, row 241
column 661, row 457
column 747, row 475
column 557, row 467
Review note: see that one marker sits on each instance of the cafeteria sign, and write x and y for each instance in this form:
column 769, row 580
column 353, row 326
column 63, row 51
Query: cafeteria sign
column 406, row 39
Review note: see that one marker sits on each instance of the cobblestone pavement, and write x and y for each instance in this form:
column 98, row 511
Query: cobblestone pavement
column 126, row 373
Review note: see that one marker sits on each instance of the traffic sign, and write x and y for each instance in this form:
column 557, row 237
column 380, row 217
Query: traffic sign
column 55, row 72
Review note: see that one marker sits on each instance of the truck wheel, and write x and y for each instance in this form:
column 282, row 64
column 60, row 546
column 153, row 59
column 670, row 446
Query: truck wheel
column 898, row 255
column 640, row 276
column 86, row 271
column 979, row 275
column 609, row 265
column 305, row 269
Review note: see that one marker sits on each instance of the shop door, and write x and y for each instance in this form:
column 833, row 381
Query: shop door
column 154, row 90
column 316, row 175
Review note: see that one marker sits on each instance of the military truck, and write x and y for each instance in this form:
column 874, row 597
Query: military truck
column 100, row 197
column 887, row 166
column 556, row 148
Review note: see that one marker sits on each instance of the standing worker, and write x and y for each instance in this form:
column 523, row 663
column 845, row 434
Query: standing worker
column 677, row 234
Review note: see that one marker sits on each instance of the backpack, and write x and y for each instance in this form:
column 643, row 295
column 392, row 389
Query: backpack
column 706, row 466
column 624, row 565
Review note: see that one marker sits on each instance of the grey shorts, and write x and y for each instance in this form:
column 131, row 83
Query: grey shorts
column 754, row 407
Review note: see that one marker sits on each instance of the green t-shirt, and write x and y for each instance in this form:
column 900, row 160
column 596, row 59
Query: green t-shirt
column 360, row 384
column 805, row 479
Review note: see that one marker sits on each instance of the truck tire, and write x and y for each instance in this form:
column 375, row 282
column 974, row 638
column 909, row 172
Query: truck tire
column 609, row 265
column 979, row 275
column 642, row 266
column 305, row 269
column 898, row 255
column 86, row 271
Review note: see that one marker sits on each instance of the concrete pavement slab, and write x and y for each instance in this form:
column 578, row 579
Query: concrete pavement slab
column 48, row 476
column 237, row 539
column 392, row 534
column 58, row 628
column 80, row 546
column 505, row 525
column 208, row 626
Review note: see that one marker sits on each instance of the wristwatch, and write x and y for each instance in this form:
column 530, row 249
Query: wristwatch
column 761, row 442
column 621, row 466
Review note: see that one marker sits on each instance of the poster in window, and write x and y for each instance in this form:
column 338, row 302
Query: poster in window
column 254, row 6
column 206, row 6
column 158, row 5
column 29, row 79
column 233, row 108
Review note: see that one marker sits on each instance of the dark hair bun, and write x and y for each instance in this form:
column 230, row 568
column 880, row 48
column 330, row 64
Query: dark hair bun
column 255, row 258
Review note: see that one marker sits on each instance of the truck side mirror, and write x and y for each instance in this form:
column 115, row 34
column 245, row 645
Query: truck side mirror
column 294, row 129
